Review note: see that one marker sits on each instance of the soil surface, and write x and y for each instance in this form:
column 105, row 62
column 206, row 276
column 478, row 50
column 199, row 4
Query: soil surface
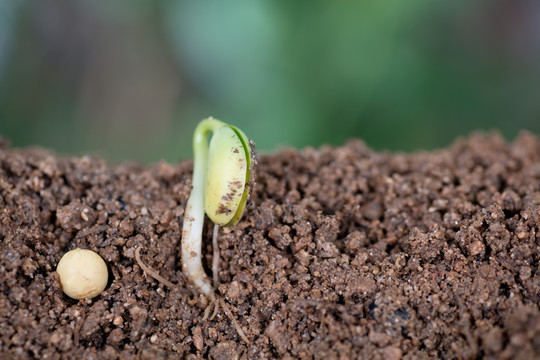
column 344, row 253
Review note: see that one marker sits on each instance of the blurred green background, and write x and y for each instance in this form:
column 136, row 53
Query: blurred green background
column 130, row 79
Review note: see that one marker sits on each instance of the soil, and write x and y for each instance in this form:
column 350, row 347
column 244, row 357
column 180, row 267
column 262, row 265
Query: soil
column 343, row 253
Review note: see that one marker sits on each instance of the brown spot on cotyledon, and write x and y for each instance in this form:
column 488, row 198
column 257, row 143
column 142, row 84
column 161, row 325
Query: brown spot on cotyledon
column 222, row 209
column 236, row 151
column 232, row 192
column 233, row 185
column 229, row 196
column 193, row 254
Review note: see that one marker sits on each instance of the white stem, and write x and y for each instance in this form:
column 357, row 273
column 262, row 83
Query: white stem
column 215, row 258
column 194, row 213
column 192, row 247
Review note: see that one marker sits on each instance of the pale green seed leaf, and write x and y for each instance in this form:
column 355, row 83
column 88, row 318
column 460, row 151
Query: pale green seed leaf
column 226, row 178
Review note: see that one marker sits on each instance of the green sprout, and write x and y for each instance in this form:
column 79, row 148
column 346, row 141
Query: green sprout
column 222, row 179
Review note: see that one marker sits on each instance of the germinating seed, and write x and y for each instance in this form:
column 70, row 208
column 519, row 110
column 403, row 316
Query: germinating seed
column 222, row 177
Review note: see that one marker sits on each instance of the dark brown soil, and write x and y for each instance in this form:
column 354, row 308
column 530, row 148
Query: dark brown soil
column 346, row 253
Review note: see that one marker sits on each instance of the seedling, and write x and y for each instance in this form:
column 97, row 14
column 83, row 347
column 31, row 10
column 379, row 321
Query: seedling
column 222, row 179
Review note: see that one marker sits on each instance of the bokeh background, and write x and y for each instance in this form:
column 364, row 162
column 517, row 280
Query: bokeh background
column 129, row 80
